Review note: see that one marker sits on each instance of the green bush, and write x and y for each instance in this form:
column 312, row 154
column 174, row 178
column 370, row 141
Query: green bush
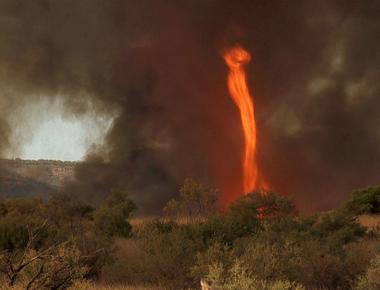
column 337, row 225
column 295, row 250
column 217, row 228
column 195, row 201
column 168, row 257
column 13, row 233
column 249, row 212
column 269, row 205
column 112, row 218
column 260, row 242
column 216, row 254
column 52, row 240
column 365, row 201
column 111, row 221
column 239, row 277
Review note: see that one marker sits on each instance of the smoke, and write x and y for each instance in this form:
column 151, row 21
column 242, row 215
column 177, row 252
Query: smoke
column 157, row 67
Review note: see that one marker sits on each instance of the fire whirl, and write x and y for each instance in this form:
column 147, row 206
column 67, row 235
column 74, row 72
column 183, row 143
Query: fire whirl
column 236, row 58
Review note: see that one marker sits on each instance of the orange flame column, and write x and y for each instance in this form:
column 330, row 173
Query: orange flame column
column 236, row 58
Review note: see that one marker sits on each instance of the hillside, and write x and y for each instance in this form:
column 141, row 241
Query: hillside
column 29, row 177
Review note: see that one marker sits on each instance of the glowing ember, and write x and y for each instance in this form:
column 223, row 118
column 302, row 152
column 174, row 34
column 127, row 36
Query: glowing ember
column 236, row 58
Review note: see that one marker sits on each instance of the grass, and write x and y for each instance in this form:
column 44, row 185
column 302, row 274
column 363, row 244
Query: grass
column 372, row 222
column 92, row 286
column 84, row 285
column 139, row 221
column 127, row 260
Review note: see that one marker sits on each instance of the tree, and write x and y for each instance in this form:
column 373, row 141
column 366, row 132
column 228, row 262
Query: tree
column 54, row 266
column 338, row 226
column 112, row 218
column 365, row 201
column 195, row 200
column 264, row 204
column 47, row 244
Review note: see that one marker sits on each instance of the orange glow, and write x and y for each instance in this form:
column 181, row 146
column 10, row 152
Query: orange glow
column 236, row 58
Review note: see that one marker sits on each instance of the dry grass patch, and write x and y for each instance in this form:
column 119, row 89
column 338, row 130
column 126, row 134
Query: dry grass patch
column 372, row 222
column 139, row 221
column 84, row 285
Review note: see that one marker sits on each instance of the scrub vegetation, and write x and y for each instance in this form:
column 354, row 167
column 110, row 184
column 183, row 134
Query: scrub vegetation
column 260, row 242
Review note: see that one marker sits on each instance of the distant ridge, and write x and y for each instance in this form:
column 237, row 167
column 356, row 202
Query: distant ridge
column 20, row 177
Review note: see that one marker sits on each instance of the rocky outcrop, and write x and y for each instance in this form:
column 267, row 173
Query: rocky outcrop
column 25, row 177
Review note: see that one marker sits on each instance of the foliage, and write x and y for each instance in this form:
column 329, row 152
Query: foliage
column 56, row 269
column 371, row 279
column 13, row 233
column 265, row 204
column 365, row 201
column 52, row 267
column 48, row 244
column 112, row 218
column 195, row 200
column 169, row 255
column 238, row 277
column 250, row 211
column 310, row 262
column 259, row 243
column 338, row 225
column 216, row 254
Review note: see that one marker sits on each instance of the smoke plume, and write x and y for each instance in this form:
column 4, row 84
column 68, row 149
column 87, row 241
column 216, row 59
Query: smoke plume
column 157, row 66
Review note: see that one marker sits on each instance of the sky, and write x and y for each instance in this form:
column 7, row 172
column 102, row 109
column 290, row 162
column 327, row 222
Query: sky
column 58, row 139
column 44, row 130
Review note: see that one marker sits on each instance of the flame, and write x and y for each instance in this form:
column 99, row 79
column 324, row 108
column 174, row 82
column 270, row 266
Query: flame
column 236, row 58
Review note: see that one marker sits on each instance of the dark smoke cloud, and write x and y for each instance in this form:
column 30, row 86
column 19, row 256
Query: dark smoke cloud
column 314, row 76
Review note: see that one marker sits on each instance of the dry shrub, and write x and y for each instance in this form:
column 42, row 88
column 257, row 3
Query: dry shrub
column 127, row 264
column 239, row 277
column 371, row 279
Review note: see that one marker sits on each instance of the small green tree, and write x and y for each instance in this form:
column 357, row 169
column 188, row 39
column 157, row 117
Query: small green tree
column 365, row 201
column 112, row 218
column 337, row 226
column 13, row 233
column 247, row 212
column 54, row 239
column 264, row 204
column 195, row 200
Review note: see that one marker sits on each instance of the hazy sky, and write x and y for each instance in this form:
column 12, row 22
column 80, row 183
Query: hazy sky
column 58, row 139
column 45, row 132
